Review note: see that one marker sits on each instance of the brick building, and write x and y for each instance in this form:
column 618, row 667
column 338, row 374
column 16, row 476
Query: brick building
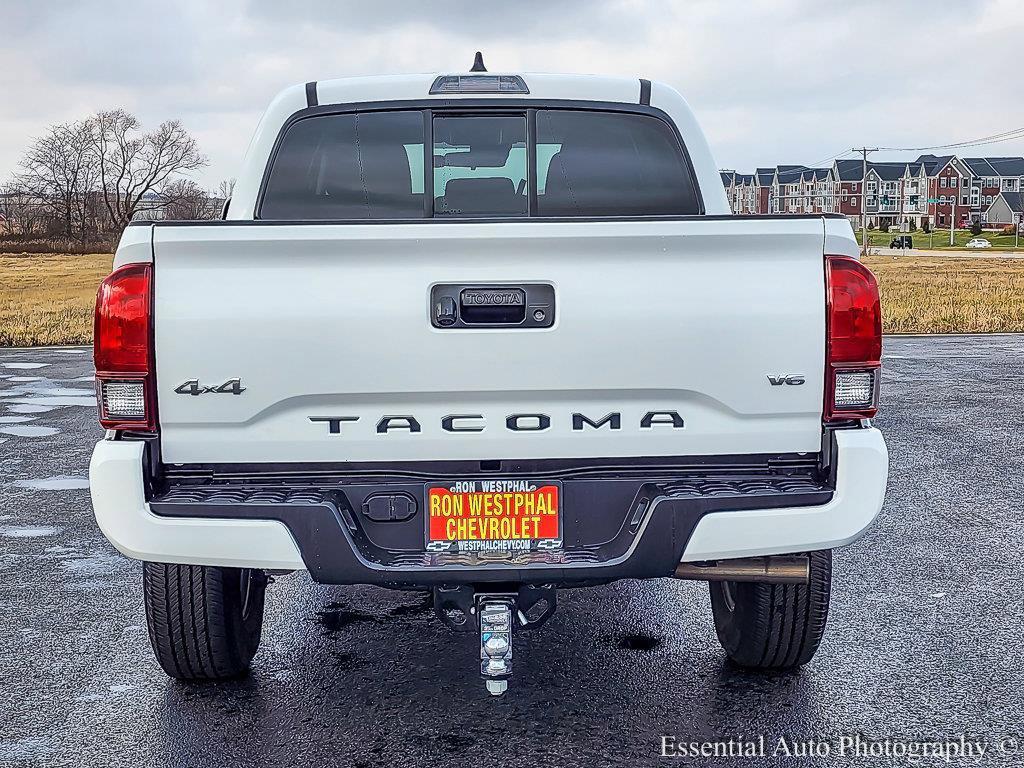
column 894, row 194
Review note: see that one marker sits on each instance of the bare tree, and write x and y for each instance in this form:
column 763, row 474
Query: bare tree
column 25, row 213
column 184, row 199
column 60, row 169
column 95, row 175
column 226, row 188
column 134, row 167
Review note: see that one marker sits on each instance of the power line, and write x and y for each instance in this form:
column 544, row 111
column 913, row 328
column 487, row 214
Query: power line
column 830, row 159
column 817, row 163
column 995, row 138
column 1016, row 133
column 797, row 169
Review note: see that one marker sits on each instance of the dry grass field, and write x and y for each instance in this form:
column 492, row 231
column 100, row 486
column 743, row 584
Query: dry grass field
column 950, row 295
column 48, row 298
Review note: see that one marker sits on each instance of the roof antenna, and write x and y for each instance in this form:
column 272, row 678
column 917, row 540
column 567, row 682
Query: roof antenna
column 478, row 63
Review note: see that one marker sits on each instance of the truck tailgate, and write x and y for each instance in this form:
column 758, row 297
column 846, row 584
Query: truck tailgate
column 323, row 322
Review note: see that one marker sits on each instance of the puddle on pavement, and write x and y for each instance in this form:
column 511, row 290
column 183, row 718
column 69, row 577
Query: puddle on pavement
column 344, row 659
column 27, row 531
column 425, row 606
column 23, row 366
column 90, row 566
column 639, row 642
column 336, row 616
column 15, row 419
column 55, row 483
column 21, row 408
column 29, row 431
column 33, row 749
column 54, row 401
column 59, row 391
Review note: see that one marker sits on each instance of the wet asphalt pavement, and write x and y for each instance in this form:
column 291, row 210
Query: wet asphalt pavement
column 924, row 639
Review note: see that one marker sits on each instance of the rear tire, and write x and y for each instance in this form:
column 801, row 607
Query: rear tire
column 773, row 626
column 204, row 622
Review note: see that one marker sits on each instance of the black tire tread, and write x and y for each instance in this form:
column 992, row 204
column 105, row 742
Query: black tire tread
column 775, row 626
column 195, row 622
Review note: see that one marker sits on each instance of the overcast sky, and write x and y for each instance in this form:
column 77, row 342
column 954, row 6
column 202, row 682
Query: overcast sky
column 793, row 81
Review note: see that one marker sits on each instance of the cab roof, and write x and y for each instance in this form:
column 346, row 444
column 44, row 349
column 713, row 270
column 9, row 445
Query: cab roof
column 419, row 86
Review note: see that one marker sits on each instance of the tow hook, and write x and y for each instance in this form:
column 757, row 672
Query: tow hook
column 495, row 616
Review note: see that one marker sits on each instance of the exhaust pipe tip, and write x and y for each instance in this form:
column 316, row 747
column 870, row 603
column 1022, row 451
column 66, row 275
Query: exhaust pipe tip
column 776, row 569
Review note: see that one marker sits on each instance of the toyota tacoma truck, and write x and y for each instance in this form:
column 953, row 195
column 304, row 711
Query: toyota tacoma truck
column 489, row 336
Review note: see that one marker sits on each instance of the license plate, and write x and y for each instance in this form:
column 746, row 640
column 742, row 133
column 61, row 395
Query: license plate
column 493, row 515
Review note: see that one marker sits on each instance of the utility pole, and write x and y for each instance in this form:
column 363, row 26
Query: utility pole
column 864, row 198
column 952, row 212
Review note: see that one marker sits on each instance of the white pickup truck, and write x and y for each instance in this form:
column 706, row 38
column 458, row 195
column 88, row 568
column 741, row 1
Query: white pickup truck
column 488, row 335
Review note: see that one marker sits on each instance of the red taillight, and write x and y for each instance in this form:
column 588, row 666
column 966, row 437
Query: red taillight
column 122, row 349
column 853, row 340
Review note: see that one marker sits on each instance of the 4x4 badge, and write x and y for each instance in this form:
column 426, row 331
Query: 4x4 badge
column 192, row 387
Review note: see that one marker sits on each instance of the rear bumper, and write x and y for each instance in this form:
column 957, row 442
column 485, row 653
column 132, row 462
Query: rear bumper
column 116, row 483
column 627, row 528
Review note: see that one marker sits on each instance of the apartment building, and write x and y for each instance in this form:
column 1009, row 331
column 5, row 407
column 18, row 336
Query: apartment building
column 994, row 176
column 931, row 190
column 896, row 193
column 742, row 192
column 850, row 179
column 763, row 180
column 783, row 189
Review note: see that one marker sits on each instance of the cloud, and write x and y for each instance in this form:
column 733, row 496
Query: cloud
column 458, row 18
column 772, row 81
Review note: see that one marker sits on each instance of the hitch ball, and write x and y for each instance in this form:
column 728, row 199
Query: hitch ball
column 495, row 615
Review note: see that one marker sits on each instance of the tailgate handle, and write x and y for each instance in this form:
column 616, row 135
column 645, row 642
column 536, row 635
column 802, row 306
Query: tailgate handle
column 501, row 306
column 492, row 306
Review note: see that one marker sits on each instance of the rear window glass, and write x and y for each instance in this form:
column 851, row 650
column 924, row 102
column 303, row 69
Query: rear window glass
column 480, row 166
column 610, row 164
column 374, row 166
column 356, row 166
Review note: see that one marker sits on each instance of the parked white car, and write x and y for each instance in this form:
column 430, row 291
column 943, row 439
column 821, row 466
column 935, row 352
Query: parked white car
column 979, row 242
column 488, row 335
